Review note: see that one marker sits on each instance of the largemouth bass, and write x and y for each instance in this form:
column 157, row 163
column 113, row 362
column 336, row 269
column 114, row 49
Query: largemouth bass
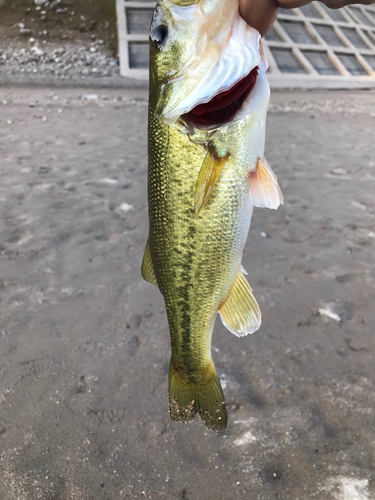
column 207, row 110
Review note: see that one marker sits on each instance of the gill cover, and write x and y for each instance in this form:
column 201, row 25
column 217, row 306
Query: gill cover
column 206, row 48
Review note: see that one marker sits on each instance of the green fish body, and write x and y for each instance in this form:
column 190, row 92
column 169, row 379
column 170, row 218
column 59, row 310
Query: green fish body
column 204, row 179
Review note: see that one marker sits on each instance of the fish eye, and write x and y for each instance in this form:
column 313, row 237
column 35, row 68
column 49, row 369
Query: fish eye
column 158, row 35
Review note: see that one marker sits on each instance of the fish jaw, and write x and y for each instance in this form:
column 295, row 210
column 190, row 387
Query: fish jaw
column 216, row 48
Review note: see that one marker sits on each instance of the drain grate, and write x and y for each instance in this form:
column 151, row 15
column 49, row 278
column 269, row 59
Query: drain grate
column 309, row 46
column 329, row 35
column 321, row 62
column 286, row 61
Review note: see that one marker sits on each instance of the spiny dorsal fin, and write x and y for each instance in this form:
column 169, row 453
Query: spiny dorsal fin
column 148, row 273
column 264, row 189
column 241, row 313
column 208, row 176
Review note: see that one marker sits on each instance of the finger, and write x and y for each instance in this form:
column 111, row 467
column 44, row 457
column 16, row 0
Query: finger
column 259, row 14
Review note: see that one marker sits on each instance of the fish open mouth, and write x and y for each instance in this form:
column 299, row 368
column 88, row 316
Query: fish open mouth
column 222, row 107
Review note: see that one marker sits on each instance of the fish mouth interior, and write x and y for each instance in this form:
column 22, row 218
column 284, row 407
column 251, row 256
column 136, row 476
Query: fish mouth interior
column 222, row 107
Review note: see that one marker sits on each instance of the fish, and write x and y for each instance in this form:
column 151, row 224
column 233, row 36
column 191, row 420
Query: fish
column 208, row 103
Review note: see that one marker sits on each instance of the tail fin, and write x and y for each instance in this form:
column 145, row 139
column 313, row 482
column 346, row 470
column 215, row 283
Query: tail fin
column 203, row 395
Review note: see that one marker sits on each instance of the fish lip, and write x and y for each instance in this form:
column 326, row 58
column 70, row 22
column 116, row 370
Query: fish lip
column 209, row 115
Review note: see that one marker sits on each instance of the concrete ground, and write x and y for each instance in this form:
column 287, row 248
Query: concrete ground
column 84, row 344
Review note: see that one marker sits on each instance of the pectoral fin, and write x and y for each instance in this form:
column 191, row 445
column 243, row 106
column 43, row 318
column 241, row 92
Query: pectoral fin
column 208, row 176
column 264, row 189
column 148, row 273
column 241, row 313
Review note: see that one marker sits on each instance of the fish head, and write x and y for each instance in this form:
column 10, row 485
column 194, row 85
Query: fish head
column 205, row 63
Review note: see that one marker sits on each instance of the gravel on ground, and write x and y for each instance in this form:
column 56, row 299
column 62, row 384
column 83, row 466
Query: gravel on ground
column 60, row 41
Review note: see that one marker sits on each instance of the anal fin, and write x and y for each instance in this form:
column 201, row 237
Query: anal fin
column 208, row 176
column 148, row 272
column 264, row 189
column 240, row 312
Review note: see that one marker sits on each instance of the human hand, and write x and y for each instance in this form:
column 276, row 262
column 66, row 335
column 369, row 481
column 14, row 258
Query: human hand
column 261, row 14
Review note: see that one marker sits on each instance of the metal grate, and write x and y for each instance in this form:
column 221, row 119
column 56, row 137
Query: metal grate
column 309, row 46
column 371, row 37
column 321, row 62
column 309, row 10
column 138, row 55
column 286, row 61
column 340, row 52
column 329, row 35
column 297, row 32
column 273, row 36
column 363, row 18
column 137, row 20
column 371, row 61
column 334, row 14
column 355, row 38
column 352, row 64
column 133, row 22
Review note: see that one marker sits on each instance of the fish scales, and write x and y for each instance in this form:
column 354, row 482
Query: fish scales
column 193, row 257
column 203, row 180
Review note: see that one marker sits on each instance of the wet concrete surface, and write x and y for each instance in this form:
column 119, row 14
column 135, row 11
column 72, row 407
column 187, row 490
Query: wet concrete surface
column 84, row 345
